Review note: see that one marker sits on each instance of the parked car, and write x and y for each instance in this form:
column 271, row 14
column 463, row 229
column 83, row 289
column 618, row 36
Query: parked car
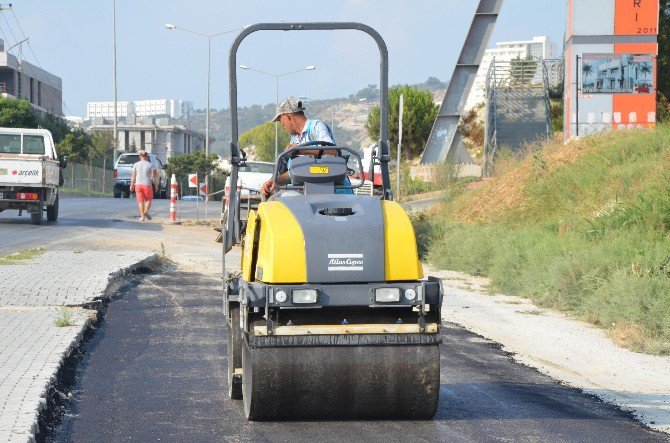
column 30, row 173
column 123, row 170
column 251, row 176
column 193, row 198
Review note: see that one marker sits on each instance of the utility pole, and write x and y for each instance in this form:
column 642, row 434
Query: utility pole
column 400, row 111
column 116, row 116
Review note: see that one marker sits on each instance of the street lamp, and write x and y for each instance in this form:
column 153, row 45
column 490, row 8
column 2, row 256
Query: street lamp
column 209, row 38
column 276, row 76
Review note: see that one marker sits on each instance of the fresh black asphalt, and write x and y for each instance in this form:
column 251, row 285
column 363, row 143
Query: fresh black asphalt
column 155, row 370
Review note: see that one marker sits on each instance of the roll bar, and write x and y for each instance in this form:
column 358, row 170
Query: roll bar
column 237, row 157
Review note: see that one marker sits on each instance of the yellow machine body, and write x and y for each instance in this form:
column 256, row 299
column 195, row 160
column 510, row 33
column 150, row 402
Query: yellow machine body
column 278, row 256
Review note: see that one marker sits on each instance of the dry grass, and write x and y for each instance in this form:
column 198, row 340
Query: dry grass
column 503, row 198
column 637, row 338
column 26, row 254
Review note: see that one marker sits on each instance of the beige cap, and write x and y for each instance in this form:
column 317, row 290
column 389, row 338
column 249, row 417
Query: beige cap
column 288, row 106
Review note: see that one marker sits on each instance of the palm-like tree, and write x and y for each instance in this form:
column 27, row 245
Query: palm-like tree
column 629, row 61
column 587, row 70
column 645, row 68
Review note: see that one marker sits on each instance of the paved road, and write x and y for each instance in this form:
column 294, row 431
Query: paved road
column 88, row 219
column 155, row 370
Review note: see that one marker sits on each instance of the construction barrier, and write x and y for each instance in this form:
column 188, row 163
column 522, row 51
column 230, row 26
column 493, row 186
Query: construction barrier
column 173, row 199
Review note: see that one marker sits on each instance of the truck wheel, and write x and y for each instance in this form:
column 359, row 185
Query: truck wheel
column 37, row 217
column 52, row 211
column 117, row 194
column 234, row 346
column 126, row 195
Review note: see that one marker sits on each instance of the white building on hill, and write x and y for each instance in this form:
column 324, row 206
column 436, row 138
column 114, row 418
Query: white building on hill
column 140, row 108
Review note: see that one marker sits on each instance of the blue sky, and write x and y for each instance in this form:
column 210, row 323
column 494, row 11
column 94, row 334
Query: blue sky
column 73, row 39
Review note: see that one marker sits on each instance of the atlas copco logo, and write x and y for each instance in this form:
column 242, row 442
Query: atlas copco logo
column 345, row 262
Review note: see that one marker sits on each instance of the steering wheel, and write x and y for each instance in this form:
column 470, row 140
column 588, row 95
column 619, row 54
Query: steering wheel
column 324, row 146
column 281, row 164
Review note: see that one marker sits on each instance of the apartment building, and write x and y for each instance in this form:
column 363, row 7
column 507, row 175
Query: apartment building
column 140, row 108
column 22, row 80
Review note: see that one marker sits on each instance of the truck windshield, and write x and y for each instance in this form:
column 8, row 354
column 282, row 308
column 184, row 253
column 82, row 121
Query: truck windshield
column 129, row 159
column 33, row 144
column 10, row 143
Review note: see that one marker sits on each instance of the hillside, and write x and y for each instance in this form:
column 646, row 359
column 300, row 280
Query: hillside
column 582, row 227
column 349, row 115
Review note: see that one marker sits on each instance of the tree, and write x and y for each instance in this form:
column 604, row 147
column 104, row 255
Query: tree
column 56, row 125
column 368, row 93
column 645, row 69
column 76, row 146
column 663, row 59
column 418, row 117
column 17, row 114
column 194, row 163
column 522, row 70
column 102, row 143
column 262, row 140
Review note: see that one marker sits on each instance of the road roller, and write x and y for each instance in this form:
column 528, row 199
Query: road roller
column 328, row 316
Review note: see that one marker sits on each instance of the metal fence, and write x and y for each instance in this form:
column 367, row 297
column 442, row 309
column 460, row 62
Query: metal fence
column 85, row 178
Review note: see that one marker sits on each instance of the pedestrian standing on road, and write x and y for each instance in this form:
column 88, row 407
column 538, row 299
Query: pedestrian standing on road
column 143, row 182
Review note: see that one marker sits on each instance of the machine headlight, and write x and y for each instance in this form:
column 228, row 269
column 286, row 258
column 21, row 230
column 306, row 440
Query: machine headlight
column 280, row 296
column 304, row 296
column 386, row 295
column 410, row 294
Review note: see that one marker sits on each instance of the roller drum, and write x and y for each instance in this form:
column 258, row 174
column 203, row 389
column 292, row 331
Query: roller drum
column 341, row 382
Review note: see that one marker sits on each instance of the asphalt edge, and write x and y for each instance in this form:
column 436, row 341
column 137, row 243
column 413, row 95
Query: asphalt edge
column 52, row 397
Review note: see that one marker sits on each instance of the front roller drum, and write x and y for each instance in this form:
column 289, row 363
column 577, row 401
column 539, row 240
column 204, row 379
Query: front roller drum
column 341, row 382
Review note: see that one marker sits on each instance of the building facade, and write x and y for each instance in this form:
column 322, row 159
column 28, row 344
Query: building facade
column 140, row 108
column 22, row 80
column 538, row 47
column 156, row 136
column 610, row 65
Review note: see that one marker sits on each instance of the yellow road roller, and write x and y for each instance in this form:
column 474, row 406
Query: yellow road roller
column 329, row 316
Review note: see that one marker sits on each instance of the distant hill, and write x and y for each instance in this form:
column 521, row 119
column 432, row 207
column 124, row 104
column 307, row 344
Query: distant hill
column 346, row 116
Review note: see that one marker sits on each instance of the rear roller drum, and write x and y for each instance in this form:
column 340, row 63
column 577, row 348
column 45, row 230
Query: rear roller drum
column 234, row 353
column 341, row 382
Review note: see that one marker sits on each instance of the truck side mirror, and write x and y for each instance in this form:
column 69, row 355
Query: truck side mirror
column 63, row 161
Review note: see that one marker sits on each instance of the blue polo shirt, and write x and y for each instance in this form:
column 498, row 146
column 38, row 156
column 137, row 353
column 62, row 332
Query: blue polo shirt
column 316, row 130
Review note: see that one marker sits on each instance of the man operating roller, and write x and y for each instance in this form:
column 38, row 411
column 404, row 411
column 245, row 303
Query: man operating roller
column 291, row 116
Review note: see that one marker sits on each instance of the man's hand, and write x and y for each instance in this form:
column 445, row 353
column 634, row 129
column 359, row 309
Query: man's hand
column 268, row 187
column 132, row 188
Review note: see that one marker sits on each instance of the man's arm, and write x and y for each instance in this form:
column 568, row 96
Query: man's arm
column 132, row 180
column 269, row 185
column 153, row 178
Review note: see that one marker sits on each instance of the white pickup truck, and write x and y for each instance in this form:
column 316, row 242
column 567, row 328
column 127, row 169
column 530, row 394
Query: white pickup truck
column 30, row 173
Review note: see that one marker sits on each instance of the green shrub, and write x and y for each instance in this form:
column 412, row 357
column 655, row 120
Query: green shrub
column 591, row 237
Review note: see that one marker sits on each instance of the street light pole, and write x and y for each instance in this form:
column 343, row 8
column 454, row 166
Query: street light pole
column 209, row 63
column 116, row 116
column 276, row 76
column 209, row 73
